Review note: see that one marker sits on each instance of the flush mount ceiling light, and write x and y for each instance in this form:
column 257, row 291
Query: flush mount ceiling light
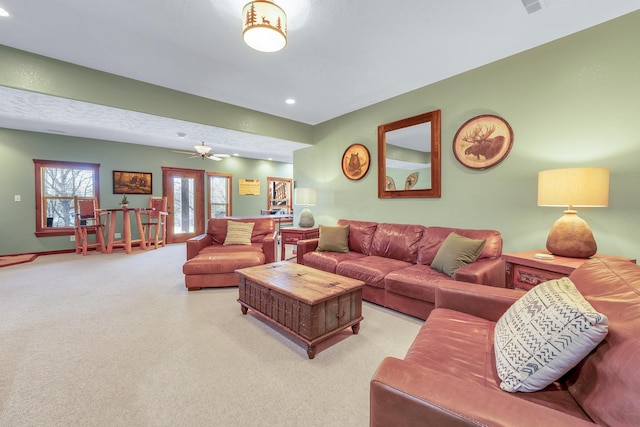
column 264, row 26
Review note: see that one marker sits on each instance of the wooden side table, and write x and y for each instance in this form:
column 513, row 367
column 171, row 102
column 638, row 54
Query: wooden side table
column 524, row 271
column 291, row 235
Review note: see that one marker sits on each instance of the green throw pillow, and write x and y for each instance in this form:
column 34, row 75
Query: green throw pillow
column 238, row 233
column 334, row 238
column 456, row 251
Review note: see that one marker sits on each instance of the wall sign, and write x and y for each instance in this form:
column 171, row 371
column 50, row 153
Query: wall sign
column 249, row 187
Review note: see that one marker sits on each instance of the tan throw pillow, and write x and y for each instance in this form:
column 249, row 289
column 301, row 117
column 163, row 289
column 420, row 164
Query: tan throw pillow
column 238, row 233
column 544, row 334
column 334, row 238
column 456, row 251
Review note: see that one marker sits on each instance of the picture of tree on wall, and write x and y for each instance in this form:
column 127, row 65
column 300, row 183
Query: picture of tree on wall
column 483, row 141
column 131, row 182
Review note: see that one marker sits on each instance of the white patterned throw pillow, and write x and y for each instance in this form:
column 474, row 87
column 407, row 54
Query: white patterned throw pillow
column 544, row 334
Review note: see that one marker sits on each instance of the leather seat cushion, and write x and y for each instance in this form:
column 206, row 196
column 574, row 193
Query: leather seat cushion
column 328, row 261
column 371, row 269
column 213, row 262
column 418, row 281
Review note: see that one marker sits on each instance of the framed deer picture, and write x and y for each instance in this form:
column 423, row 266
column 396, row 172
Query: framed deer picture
column 483, row 141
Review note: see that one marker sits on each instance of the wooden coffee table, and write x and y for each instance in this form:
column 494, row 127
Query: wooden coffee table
column 308, row 304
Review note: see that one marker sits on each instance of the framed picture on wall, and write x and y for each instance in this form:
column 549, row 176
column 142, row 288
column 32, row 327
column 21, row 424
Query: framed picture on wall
column 483, row 141
column 132, row 182
column 355, row 161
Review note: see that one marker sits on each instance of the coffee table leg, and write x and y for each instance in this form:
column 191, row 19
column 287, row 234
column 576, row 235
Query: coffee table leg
column 244, row 309
column 355, row 328
column 311, row 351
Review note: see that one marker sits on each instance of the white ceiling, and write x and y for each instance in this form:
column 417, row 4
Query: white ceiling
column 342, row 55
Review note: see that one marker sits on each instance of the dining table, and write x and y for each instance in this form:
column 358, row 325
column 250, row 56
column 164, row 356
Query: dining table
column 126, row 241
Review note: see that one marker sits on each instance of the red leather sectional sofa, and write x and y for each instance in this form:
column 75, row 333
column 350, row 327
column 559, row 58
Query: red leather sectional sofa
column 394, row 261
column 449, row 376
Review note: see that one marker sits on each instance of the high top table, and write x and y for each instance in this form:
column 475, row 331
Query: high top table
column 126, row 240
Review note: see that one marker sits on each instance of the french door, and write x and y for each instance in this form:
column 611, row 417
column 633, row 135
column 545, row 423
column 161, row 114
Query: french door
column 184, row 189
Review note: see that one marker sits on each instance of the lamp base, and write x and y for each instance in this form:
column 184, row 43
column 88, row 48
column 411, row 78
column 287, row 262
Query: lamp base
column 570, row 236
column 306, row 218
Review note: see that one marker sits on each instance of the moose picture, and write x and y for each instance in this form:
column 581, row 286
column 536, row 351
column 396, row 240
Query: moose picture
column 483, row 142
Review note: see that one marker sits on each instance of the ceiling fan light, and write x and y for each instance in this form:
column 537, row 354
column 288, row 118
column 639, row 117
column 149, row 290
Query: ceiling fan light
column 264, row 26
column 202, row 149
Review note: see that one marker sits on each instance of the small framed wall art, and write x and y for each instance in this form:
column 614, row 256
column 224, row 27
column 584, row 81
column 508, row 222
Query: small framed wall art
column 355, row 161
column 131, row 182
column 483, row 141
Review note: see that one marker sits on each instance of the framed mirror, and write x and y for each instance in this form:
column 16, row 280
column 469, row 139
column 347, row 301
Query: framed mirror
column 279, row 195
column 409, row 157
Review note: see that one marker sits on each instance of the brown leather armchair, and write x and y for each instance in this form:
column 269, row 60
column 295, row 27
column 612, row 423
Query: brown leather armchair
column 211, row 264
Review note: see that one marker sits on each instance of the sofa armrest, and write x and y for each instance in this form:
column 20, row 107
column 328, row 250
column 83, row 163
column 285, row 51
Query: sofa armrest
column 269, row 248
column 408, row 394
column 304, row 246
column 195, row 244
column 486, row 302
column 485, row 271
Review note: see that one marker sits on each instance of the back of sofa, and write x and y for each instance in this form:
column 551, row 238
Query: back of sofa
column 360, row 234
column 434, row 236
column 263, row 227
column 606, row 384
column 397, row 241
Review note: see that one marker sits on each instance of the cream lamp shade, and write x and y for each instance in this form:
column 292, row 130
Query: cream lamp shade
column 306, row 197
column 570, row 235
column 264, row 26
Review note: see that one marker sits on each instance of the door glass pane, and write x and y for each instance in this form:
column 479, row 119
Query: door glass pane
column 183, row 205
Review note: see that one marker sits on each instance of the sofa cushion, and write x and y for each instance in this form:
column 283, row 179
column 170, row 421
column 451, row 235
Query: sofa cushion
column 334, row 238
column 370, row 269
column 263, row 227
column 433, row 237
column 238, row 233
column 545, row 334
column 605, row 384
column 222, row 262
column 397, row 241
column 418, row 282
column 328, row 261
column 360, row 235
column 455, row 252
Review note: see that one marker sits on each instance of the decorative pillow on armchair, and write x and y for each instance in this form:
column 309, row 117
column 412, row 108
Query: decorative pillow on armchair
column 456, row 251
column 544, row 334
column 238, row 233
column 334, row 238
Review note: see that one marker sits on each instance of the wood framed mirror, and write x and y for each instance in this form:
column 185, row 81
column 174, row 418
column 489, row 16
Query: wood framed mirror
column 279, row 194
column 409, row 157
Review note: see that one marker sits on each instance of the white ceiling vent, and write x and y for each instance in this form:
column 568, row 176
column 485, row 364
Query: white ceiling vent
column 532, row 5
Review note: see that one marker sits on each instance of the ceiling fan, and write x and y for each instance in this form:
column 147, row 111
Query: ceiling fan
column 204, row 152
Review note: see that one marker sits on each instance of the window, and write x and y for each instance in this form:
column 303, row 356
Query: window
column 56, row 184
column 219, row 195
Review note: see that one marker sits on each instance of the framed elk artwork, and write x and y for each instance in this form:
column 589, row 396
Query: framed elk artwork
column 483, row 141
column 131, row 182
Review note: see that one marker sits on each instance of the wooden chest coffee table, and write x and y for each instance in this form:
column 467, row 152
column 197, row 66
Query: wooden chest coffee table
column 309, row 304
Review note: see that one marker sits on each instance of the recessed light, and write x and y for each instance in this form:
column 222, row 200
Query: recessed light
column 236, row 154
column 270, row 158
column 3, row 12
column 290, row 101
column 182, row 134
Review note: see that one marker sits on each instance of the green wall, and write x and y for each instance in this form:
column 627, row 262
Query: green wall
column 572, row 102
column 19, row 148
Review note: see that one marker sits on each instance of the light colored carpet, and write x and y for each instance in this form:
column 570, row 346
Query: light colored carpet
column 117, row 340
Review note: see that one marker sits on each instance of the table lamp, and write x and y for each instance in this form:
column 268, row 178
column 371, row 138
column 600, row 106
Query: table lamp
column 306, row 197
column 570, row 236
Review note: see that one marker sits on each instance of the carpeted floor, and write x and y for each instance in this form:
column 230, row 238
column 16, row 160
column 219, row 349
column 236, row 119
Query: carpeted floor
column 117, row 340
